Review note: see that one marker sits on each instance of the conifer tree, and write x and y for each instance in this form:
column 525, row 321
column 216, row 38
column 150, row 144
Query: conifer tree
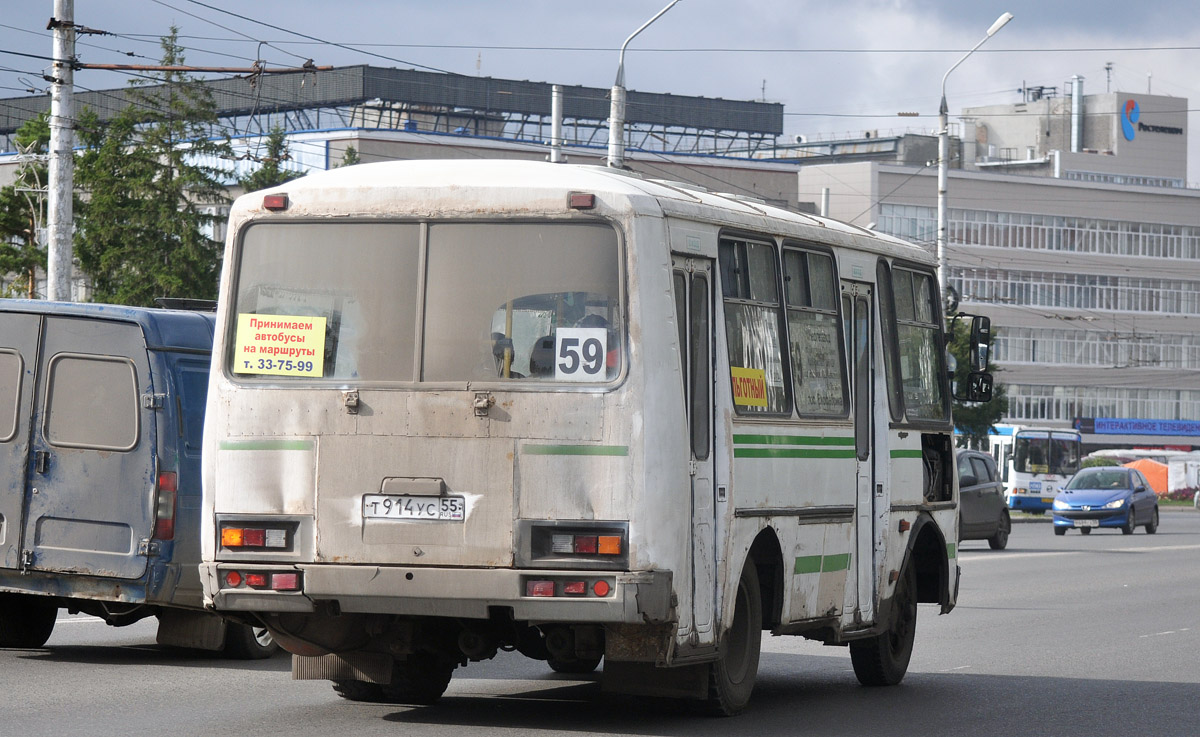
column 271, row 172
column 23, row 210
column 153, row 180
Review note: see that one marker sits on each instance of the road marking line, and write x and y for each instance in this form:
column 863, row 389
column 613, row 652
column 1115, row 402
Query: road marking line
column 1010, row 556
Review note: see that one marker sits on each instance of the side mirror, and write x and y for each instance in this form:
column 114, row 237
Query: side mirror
column 967, row 479
column 979, row 381
column 981, row 337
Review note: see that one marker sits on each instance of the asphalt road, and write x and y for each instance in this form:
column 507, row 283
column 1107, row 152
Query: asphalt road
column 1073, row 635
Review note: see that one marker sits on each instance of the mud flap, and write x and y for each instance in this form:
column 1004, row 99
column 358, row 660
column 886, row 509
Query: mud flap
column 353, row 666
column 644, row 679
column 199, row 630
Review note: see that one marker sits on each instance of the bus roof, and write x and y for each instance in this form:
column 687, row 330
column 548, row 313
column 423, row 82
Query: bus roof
column 436, row 188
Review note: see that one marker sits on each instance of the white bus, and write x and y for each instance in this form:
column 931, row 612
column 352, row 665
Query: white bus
column 1035, row 463
column 459, row 407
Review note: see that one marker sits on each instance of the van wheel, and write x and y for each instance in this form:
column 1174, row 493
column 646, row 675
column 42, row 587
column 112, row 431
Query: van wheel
column 419, row 679
column 732, row 676
column 999, row 540
column 883, row 660
column 359, row 691
column 26, row 621
column 243, row 642
column 574, row 665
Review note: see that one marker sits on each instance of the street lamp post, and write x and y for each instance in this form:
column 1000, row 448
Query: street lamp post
column 616, row 114
column 944, row 158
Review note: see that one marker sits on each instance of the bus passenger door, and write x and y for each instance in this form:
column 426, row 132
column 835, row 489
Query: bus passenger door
column 692, row 281
column 858, row 313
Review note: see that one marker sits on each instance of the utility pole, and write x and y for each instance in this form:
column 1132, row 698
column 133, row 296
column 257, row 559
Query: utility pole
column 60, row 216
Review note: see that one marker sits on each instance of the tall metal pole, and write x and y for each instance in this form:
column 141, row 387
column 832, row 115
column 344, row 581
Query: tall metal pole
column 616, row 111
column 60, row 217
column 556, row 124
column 944, row 159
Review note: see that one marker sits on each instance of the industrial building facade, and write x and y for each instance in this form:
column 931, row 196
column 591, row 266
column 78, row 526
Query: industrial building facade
column 1087, row 260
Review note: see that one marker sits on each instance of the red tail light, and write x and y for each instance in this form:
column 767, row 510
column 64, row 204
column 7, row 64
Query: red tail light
column 164, row 506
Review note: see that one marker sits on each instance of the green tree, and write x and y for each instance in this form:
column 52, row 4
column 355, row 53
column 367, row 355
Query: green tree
column 349, row 157
column 154, row 183
column 23, row 209
column 973, row 420
column 271, row 173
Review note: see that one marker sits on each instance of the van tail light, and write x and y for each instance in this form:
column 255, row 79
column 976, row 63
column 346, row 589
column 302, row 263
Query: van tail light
column 164, row 506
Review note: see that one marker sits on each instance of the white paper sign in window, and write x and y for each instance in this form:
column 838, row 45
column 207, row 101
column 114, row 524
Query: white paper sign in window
column 580, row 354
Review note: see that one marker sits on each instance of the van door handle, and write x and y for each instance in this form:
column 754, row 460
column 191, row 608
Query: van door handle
column 41, row 460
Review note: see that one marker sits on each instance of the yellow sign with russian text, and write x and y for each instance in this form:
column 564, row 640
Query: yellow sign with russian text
column 280, row 345
column 749, row 386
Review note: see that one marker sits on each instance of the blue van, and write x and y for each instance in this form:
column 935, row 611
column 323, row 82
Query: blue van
column 101, row 417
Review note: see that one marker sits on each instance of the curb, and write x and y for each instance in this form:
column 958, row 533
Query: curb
column 1023, row 518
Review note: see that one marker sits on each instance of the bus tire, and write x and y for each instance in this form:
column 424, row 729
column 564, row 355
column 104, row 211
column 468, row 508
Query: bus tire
column 732, row 675
column 420, row 679
column 359, row 691
column 26, row 621
column 882, row 660
column 574, row 665
column 244, row 642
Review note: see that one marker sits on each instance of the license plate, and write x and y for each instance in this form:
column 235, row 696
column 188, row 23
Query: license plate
column 397, row 506
column 1047, row 500
column 1087, row 523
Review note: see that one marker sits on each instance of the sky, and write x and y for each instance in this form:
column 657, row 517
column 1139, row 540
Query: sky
column 838, row 68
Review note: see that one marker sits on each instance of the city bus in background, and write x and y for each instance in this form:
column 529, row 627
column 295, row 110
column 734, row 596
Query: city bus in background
column 1035, row 463
column 460, row 407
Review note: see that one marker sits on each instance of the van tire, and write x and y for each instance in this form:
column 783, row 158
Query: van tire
column 244, row 642
column 419, row 679
column 26, row 621
column 733, row 674
column 882, row 660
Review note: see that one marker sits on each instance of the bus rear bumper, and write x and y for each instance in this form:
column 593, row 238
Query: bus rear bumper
column 642, row 597
column 1030, row 503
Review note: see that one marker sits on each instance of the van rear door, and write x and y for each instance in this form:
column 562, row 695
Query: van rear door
column 91, row 471
column 18, row 361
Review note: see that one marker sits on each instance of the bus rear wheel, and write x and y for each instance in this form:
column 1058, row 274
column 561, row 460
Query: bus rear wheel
column 882, row 660
column 732, row 676
column 419, row 679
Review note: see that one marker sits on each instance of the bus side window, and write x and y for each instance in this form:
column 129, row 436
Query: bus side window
column 810, row 292
column 749, row 284
column 887, row 326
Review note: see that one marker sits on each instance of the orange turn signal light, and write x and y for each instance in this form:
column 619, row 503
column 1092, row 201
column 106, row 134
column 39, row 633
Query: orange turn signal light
column 609, row 545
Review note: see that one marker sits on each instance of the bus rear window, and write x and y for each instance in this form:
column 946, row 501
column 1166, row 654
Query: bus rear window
column 502, row 301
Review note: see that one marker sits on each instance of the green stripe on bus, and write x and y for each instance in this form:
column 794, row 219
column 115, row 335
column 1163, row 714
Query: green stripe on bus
column 835, row 563
column 907, row 454
column 808, row 564
column 266, row 445
column 790, row 440
column 792, row 453
column 821, row 564
column 950, row 552
column 575, row 450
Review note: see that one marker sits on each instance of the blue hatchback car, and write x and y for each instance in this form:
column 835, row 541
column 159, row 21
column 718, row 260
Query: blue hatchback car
column 1106, row 496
